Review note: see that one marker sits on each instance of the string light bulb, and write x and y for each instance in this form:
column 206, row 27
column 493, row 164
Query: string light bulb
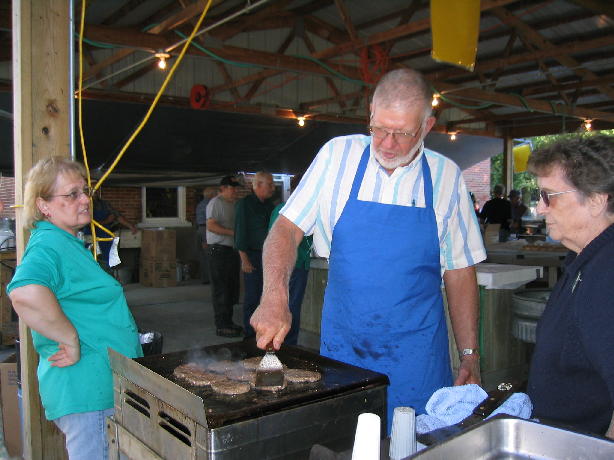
column 453, row 136
column 588, row 124
column 301, row 121
column 162, row 57
column 435, row 101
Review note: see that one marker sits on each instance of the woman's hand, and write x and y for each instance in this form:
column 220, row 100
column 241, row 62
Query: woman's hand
column 67, row 355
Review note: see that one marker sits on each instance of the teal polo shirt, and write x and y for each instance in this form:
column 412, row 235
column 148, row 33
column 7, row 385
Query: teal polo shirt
column 252, row 222
column 94, row 303
column 303, row 252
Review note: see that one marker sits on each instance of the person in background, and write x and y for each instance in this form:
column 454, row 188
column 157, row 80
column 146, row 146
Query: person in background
column 571, row 378
column 498, row 210
column 74, row 309
column 251, row 226
column 298, row 278
column 111, row 219
column 201, row 231
column 518, row 210
column 392, row 217
column 223, row 258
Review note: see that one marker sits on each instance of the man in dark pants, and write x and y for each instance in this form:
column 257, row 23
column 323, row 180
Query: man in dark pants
column 251, row 228
column 223, row 258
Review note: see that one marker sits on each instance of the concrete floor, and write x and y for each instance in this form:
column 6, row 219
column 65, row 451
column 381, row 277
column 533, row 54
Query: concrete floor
column 182, row 314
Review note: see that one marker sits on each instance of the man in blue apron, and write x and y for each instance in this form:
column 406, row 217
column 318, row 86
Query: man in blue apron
column 393, row 218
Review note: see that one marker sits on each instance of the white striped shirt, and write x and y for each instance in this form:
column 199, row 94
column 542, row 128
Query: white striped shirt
column 317, row 203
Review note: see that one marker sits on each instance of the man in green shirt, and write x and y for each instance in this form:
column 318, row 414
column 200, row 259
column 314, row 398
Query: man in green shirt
column 251, row 228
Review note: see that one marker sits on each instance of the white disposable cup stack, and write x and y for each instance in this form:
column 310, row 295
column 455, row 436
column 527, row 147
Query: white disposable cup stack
column 367, row 438
column 403, row 434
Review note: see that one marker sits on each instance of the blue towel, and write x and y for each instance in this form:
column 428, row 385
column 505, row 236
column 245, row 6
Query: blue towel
column 450, row 405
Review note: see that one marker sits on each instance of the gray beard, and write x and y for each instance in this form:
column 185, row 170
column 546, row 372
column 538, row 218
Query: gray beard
column 399, row 161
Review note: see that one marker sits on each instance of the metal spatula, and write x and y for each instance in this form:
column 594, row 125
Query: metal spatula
column 270, row 371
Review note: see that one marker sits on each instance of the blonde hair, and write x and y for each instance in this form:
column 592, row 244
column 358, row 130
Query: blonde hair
column 40, row 183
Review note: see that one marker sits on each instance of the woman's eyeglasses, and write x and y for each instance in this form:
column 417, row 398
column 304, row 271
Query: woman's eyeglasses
column 545, row 196
column 76, row 194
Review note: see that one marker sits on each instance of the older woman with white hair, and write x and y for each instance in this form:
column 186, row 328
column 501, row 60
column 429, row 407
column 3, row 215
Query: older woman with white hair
column 571, row 380
column 74, row 308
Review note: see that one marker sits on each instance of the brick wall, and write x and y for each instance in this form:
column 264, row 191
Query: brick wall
column 477, row 179
column 7, row 196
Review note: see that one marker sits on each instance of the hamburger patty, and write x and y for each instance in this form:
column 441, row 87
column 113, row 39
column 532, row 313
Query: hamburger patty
column 230, row 387
column 195, row 375
column 301, row 376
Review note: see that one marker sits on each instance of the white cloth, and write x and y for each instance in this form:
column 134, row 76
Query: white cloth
column 318, row 201
column 450, row 405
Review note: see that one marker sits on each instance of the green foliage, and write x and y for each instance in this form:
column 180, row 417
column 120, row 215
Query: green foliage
column 524, row 179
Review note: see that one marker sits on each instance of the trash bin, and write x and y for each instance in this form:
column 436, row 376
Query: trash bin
column 151, row 342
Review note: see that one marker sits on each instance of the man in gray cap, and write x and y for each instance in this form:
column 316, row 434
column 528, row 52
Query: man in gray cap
column 223, row 258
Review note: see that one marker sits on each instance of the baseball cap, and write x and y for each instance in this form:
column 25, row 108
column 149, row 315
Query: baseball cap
column 514, row 193
column 230, row 180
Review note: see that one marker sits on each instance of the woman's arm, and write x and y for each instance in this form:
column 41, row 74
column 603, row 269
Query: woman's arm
column 39, row 309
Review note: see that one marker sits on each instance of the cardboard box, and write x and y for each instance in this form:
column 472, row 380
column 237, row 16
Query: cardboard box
column 10, row 407
column 158, row 243
column 129, row 240
column 158, row 272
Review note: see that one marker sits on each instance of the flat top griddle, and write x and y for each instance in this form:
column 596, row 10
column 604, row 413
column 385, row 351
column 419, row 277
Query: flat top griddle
column 337, row 379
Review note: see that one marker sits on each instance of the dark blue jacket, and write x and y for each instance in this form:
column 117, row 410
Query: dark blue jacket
column 571, row 380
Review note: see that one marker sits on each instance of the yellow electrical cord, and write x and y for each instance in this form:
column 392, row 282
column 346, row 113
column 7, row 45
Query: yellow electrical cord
column 186, row 45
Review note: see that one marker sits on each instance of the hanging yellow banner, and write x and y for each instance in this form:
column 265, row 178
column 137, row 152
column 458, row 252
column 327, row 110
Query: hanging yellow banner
column 455, row 27
column 522, row 153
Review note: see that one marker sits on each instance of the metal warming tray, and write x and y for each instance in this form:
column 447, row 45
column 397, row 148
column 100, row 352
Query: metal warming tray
column 158, row 416
column 511, row 438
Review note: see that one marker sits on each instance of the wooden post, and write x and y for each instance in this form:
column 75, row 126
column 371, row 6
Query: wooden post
column 508, row 164
column 41, row 129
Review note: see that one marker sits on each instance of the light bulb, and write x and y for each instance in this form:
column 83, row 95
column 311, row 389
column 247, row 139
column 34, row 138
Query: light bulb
column 301, row 121
column 588, row 124
column 452, row 136
column 435, row 101
column 162, row 57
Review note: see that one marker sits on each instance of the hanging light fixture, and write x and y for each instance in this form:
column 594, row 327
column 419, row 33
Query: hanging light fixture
column 453, row 136
column 301, row 121
column 435, row 101
column 588, row 124
column 162, row 57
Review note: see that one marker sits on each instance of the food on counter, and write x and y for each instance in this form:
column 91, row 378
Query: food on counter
column 544, row 247
column 230, row 387
column 301, row 376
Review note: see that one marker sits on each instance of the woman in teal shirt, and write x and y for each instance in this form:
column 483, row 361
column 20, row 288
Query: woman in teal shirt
column 74, row 308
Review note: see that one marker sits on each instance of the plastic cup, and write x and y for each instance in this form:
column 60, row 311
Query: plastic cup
column 403, row 434
column 367, row 438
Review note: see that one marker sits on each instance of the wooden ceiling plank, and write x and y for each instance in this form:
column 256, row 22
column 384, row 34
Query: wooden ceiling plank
column 347, row 20
column 559, row 49
column 281, row 50
column 514, row 101
column 120, row 12
column 536, row 38
column 228, row 80
column 328, row 80
column 395, row 33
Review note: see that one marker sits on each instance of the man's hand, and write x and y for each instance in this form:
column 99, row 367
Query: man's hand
column 271, row 321
column 246, row 266
column 469, row 370
column 67, row 355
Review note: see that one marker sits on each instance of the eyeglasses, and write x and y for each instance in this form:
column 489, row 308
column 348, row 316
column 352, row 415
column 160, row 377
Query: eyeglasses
column 545, row 196
column 398, row 136
column 76, row 194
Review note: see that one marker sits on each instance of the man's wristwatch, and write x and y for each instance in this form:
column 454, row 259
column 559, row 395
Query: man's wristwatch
column 468, row 351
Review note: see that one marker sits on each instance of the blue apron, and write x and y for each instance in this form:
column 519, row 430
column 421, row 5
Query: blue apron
column 383, row 308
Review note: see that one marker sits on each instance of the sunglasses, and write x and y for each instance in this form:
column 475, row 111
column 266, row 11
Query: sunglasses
column 545, row 196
